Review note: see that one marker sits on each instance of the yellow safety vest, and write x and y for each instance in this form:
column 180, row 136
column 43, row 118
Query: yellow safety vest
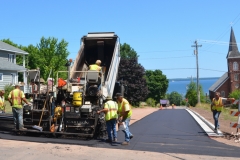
column 217, row 104
column 95, row 67
column 112, row 110
column 123, row 105
column 2, row 103
column 16, row 95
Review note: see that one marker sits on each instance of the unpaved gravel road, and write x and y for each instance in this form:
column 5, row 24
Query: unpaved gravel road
column 14, row 150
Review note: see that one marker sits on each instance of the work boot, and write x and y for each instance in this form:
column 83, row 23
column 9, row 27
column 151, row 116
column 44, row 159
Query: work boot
column 115, row 140
column 23, row 128
column 125, row 143
column 108, row 140
column 131, row 137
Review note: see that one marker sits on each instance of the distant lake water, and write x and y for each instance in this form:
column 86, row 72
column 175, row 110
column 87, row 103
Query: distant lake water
column 180, row 85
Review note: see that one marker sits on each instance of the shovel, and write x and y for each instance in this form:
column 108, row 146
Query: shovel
column 39, row 127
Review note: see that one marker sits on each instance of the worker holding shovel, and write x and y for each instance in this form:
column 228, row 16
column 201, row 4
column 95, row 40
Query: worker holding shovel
column 16, row 97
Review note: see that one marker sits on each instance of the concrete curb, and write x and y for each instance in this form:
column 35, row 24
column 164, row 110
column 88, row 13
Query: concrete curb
column 207, row 126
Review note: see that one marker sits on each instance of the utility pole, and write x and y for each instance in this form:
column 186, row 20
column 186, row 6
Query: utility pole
column 196, row 53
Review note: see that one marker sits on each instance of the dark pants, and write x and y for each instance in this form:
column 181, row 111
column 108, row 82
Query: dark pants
column 216, row 115
column 111, row 128
column 18, row 117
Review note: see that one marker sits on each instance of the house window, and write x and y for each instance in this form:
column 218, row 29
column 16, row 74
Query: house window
column 236, row 85
column 235, row 66
column 1, row 77
column 236, row 77
column 222, row 94
column 13, row 81
column 11, row 58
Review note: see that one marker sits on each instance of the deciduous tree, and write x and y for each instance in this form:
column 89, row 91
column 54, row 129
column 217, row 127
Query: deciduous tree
column 157, row 84
column 127, row 52
column 235, row 94
column 132, row 74
column 175, row 98
column 192, row 94
column 51, row 55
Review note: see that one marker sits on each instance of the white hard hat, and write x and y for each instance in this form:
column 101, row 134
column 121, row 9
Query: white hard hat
column 98, row 62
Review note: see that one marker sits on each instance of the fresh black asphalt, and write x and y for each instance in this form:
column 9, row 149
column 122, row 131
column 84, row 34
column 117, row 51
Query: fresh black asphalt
column 164, row 131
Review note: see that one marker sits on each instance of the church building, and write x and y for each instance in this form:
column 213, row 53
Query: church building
column 229, row 80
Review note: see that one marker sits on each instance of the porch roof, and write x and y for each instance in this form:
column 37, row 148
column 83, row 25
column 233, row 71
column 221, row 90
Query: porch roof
column 8, row 66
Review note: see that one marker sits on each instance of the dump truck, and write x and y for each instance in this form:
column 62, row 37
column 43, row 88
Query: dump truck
column 72, row 108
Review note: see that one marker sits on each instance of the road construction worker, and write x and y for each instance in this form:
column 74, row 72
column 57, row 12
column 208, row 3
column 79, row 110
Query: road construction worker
column 216, row 108
column 16, row 97
column 2, row 103
column 125, row 113
column 34, row 90
column 96, row 66
column 110, row 110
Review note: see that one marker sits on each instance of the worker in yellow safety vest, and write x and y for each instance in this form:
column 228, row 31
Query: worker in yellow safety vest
column 2, row 104
column 125, row 113
column 216, row 108
column 110, row 110
column 96, row 66
column 16, row 97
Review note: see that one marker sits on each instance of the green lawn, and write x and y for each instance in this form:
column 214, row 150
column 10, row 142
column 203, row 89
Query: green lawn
column 8, row 108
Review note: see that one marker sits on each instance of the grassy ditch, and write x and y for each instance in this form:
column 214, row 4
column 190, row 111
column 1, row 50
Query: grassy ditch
column 225, row 112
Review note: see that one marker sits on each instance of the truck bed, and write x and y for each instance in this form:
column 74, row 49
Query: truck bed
column 102, row 46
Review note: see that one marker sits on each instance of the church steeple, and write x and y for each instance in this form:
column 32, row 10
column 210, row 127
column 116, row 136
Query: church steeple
column 233, row 48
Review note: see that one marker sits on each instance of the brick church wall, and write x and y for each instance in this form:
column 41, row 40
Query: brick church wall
column 233, row 83
column 224, row 88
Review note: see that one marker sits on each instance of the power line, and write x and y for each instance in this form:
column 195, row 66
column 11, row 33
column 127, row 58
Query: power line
column 164, row 51
column 211, row 51
column 189, row 69
column 212, row 70
column 236, row 18
column 166, row 57
column 225, row 31
column 217, row 42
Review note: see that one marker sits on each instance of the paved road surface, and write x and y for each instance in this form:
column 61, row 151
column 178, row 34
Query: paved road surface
column 165, row 131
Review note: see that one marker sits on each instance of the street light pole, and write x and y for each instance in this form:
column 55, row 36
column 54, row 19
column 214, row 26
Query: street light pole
column 196, row 53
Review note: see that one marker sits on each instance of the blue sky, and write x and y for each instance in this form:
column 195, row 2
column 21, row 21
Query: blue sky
column 161, row 32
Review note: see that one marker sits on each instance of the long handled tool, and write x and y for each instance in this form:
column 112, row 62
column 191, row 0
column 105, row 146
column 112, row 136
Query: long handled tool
column 39, row 127
column 61, row 123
